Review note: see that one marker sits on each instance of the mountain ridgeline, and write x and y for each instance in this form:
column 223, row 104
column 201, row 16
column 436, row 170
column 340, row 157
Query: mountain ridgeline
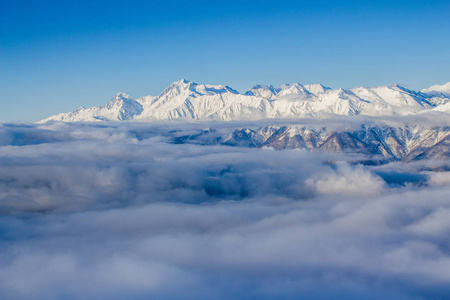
column 376, row 142
column 392, row 123
column 187, row 100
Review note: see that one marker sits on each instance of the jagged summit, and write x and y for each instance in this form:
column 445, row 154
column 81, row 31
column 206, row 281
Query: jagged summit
column 271, row 92
column 185, row 85
column 262, row 86
column 122, row 95
column 293, row 89
column 189, row 100
column 120, row 107
column 118, row 98
column 316, row 88
column 262, row 91
column 183, row 81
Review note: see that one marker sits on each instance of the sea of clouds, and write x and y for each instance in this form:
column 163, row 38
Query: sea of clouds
column 121, row 211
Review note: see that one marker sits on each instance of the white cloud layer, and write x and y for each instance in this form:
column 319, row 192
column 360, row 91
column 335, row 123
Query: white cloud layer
column 114, row 212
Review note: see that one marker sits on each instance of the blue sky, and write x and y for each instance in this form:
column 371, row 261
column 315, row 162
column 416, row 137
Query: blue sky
column 58, row 55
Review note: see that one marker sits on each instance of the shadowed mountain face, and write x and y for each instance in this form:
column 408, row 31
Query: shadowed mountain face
column 384, row 140
column 381, row 140
column 410, row 142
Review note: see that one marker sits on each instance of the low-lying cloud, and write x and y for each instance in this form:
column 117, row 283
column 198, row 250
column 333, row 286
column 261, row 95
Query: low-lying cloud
column 119, row 211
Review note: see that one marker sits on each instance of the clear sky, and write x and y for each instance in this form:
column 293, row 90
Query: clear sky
column 58, row 55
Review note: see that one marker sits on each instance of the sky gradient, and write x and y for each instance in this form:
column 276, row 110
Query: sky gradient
column 57, row 55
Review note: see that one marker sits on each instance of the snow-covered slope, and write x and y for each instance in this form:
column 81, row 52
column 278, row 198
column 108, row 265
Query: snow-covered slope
column 316, row 88
column 438, row 90
column 441, row 108
column 120, row 107
column 186, row 99
column 263, row 91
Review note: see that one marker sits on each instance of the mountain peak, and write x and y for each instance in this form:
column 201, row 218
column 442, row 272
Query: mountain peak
column 118, row 99
column 264, row 91
column 261, row 86
column 178, row 86
column 293, row 88
column 183, row 85
column 122, row 95
column 288, row 85
column 397, row 86
column 438, row 90
column 183, row 81
column 342, row 93
column 316, row 88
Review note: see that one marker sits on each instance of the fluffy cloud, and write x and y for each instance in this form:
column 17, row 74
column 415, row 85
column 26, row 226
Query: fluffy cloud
column 95, row 211
column 347, row 180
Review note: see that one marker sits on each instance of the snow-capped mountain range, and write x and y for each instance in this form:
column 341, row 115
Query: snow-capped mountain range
column 188, row 100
